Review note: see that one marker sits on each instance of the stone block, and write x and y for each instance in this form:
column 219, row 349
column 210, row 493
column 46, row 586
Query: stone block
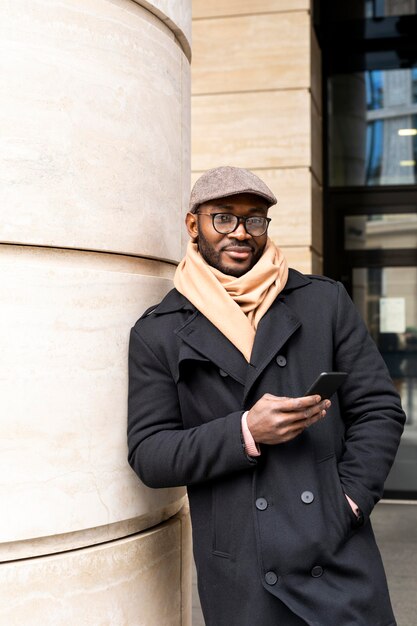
column 250, row 53
column 63, row 398
column 135, row 581
column 94, row 128
column 254, row 130
column 215, row 8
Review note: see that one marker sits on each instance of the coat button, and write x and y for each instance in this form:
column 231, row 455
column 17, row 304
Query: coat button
column 317, row 571
column 307, row 497
column 271, row 578
column 261, row 504
column 281, row 360
column 223, row 373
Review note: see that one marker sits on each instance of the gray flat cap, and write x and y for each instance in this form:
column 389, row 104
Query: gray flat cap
column 224, row 181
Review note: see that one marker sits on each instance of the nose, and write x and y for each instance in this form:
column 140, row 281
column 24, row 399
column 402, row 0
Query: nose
column 240, row 233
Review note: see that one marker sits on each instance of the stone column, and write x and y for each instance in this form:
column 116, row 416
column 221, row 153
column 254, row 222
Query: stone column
column 94, row 176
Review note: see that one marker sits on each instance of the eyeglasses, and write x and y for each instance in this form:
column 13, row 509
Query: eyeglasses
column 226, row 223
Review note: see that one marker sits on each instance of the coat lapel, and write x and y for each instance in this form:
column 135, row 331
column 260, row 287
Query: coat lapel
column 203, row 337
column 274, row 330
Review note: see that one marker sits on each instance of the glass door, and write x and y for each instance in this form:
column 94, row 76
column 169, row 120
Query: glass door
column 387, row 299
column 373, row 251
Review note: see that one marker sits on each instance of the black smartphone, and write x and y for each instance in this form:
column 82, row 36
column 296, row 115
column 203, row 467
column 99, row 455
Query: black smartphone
column 326, row 384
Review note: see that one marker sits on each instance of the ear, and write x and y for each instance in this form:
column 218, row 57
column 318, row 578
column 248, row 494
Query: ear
column 191, row 222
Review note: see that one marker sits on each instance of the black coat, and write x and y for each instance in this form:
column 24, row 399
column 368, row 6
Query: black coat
column 275, row 540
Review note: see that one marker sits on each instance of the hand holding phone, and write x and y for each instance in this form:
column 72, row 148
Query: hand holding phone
column 326, row 384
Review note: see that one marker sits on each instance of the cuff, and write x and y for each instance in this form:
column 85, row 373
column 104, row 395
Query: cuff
column 252, row 449
column 353, row 506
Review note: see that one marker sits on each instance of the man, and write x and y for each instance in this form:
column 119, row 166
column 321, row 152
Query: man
column 281, row 486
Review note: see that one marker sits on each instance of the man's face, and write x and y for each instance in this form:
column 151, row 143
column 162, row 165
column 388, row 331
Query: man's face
column 237, row 252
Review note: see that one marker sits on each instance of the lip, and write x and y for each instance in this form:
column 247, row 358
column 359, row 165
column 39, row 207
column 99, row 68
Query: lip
column 238, row 253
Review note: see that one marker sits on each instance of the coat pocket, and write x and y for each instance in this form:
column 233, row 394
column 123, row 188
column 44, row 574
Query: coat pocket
column 222, row 522
column 338, row 515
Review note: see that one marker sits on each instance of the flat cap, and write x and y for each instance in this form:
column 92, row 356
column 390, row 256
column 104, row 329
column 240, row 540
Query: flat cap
column 224, row 181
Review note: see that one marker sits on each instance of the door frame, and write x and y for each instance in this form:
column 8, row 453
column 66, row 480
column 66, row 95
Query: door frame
column 340, row 263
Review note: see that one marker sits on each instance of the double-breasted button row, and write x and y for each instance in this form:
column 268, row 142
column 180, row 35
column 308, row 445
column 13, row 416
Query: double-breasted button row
column 281, row 360
column 261, row 504
column 271, row 578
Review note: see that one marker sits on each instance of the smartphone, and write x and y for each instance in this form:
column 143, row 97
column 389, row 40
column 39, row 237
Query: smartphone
column 326, row 384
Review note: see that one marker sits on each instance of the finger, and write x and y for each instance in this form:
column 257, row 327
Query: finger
column 311, row 399
column 315, row 418
column 311, row 411
column 298, row 404
column 288, row 405
column 317, row 408
column 309, row 414
column 323, row 406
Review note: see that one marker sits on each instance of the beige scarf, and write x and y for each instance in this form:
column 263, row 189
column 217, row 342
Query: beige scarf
column 234, row 305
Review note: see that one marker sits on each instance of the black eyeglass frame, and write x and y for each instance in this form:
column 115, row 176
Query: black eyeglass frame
column 239, row 221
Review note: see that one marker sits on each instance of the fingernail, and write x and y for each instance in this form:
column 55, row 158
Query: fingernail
column 327, row 404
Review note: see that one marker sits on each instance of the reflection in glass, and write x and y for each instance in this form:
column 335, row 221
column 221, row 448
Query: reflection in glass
column 391, row 231
column 387, row 300
column 385, row 8
column 374, row 146
column 374, row 90
column 373, row 128
column 360, row 9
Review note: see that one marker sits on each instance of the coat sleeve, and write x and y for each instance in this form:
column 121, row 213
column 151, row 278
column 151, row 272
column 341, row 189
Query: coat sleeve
column 370, row 406
column 161, row 452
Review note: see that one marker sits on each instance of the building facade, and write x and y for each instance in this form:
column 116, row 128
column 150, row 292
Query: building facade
column 320, row 99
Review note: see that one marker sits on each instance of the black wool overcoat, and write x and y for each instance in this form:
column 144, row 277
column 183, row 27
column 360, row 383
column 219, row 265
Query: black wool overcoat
column 275, row 541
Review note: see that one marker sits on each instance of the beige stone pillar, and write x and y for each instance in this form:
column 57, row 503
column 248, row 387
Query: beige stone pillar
column 256, row 103
column 94, row 173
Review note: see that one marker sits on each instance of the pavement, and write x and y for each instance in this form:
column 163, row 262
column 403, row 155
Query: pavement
column 395, row 527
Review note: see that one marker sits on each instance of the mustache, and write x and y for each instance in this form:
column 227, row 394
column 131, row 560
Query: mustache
column 236, row 243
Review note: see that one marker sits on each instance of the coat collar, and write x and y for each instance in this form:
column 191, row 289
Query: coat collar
column 173, row 301
column 295, row 281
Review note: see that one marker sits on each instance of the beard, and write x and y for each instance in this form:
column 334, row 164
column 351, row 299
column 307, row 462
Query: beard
column 213, row 257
